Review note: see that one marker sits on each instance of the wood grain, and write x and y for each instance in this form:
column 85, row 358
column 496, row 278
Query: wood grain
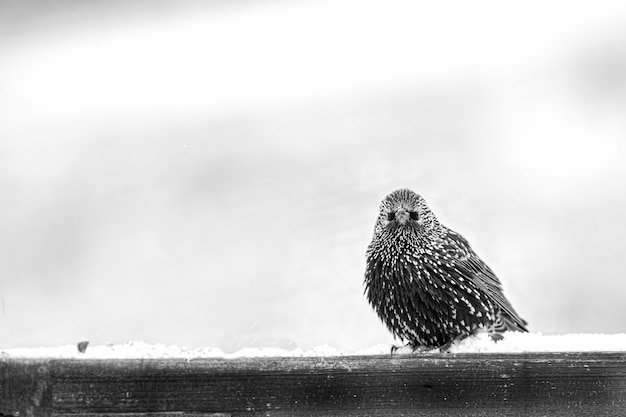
column 538, row 384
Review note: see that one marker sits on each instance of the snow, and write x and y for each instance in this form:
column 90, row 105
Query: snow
column 142, row 350
column 513, row 342
column 516, row 342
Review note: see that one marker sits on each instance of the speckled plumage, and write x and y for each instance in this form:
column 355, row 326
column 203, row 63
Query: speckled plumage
column 426, row 283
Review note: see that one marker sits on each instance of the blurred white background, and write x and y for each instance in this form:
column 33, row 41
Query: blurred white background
column 209, row 173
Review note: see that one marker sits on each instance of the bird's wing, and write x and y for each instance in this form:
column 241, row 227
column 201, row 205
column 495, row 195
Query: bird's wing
column 470, row 264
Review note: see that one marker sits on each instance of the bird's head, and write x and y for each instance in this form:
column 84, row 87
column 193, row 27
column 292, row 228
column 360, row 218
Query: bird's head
column 404, row 210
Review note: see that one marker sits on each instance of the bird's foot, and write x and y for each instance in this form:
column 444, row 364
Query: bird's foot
column 409, row 348
column 446, row 348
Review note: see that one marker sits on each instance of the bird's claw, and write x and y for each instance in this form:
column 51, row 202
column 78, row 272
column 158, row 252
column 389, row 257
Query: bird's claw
column 401, row 349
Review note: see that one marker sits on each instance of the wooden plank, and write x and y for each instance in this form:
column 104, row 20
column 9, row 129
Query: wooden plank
column 537, row 384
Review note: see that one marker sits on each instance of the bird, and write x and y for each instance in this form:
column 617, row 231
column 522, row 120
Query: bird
column 427, row 284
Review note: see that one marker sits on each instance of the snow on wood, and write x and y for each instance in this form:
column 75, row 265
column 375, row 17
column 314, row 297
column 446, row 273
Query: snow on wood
column 512, row 343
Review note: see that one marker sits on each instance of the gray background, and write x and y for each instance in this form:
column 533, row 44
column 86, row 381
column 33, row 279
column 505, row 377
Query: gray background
column 208, row 174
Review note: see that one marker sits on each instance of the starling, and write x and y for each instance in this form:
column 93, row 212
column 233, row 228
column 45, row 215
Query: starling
column 426, row 283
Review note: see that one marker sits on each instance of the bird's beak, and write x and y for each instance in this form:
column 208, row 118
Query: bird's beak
column 402, row 216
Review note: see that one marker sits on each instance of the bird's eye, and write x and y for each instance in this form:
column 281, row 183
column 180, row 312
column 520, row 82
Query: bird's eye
column 413, row 215
column 391, row 215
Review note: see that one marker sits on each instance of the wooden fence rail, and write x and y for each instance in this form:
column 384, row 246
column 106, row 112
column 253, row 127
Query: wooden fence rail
column 535, row 384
